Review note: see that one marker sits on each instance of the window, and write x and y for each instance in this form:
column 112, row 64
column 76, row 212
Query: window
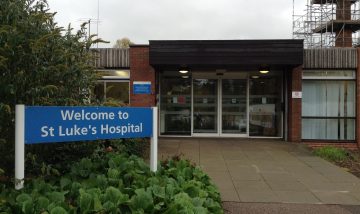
column 265, row 110
column 113, row 86
column 328, row 105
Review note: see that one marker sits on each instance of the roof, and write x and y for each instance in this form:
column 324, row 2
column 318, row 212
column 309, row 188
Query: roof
column 225, row 54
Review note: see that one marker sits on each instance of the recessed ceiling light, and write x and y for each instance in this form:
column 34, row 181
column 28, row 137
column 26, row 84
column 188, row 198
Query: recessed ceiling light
column 185, row 77
column 184, row 71
column 255, row 77
column 264, row 69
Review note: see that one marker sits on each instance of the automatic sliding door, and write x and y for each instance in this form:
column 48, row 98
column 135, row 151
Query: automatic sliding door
column 205, row 106
column 234, row 106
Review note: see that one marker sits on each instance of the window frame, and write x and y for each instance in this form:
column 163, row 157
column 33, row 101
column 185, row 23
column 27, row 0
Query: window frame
column 117, row 79
column 331, row 79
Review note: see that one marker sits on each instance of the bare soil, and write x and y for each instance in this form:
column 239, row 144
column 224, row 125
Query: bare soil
column 352, row 164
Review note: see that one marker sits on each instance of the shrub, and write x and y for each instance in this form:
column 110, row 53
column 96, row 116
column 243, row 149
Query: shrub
column 56, row 159
column 40, row 64
column 117, row 183
column 332, row 153
column 132, row 146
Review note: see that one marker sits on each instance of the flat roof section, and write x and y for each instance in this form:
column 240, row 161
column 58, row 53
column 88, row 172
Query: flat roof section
column 225, row 54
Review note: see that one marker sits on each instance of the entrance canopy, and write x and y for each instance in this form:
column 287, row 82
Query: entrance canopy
column 225, row 54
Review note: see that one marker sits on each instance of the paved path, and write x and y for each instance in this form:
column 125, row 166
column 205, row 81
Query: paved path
column 286, row 208
column 249, row 170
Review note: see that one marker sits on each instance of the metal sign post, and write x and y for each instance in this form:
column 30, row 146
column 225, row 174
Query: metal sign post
column 19, row 146
column 154, row 142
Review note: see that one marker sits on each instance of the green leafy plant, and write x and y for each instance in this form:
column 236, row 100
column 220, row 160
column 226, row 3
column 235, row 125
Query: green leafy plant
column 117, row 183
column 132, row 146
column 333, row 154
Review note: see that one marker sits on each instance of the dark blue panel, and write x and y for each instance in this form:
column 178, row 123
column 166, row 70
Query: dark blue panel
column 142, row 88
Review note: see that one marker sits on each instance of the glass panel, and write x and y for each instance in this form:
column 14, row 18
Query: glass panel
column 329, row 74
column 175, row 106
column 328, row 99
column 265, row 107
column 328, row 129
column 205, row 105
column 117, row 91
column 314, row 98
column 340, row 98
column 99, row 91
column 114, row 74
column 234, row 106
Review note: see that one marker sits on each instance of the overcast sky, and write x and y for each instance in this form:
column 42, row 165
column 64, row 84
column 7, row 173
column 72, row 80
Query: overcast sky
column 144, row 20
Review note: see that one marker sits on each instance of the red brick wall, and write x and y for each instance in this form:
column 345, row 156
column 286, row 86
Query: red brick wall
column 140, row 70
column 350, row 146
column 357, row 123
column 294, row 110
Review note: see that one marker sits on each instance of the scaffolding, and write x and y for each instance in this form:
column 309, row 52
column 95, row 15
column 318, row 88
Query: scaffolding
column 328, row 23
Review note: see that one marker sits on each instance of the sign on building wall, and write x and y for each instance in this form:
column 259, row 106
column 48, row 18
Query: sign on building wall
column 60, row 124
column 142, row 87
column 297, row 94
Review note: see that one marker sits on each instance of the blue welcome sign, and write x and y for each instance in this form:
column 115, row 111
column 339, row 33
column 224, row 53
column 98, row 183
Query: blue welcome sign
column 60, row 124
column 46, row 124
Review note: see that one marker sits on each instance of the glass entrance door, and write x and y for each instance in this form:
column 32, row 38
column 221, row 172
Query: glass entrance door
column 234, row 106
column 205, row 106
column 220, row 106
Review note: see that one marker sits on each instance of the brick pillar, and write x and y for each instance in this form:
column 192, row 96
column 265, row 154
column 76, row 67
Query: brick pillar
column 294, row 105
column 343, row 12
column 343, row 38
column 140, row 70
column 357, row 123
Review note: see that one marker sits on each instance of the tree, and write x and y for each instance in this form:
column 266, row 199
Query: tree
column 123, row 43
column 40, row 64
